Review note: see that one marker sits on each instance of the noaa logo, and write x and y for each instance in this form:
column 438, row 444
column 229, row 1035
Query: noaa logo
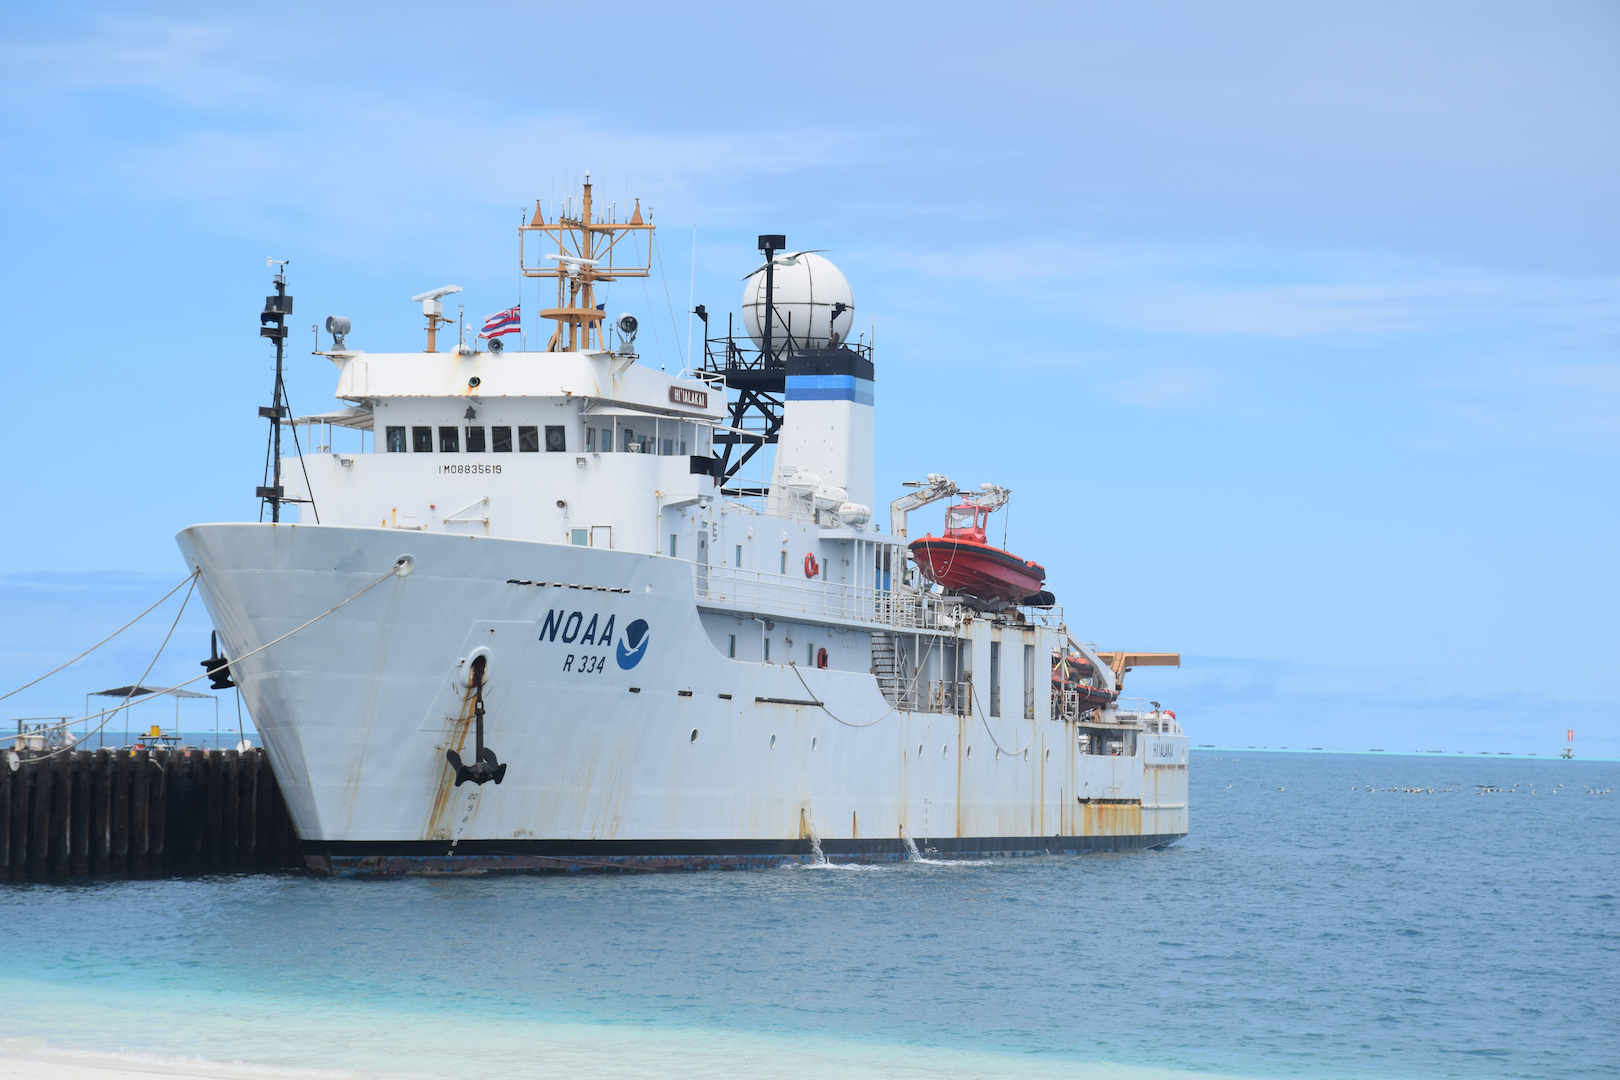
column 635, row 636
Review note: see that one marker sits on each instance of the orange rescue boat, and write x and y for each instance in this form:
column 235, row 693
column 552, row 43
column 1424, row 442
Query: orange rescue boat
column 963, row 561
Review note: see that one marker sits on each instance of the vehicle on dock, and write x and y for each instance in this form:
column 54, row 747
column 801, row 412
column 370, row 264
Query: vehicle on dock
column 545, row 622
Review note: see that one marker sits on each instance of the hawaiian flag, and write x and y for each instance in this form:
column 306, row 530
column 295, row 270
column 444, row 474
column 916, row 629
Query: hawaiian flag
column 503, row 322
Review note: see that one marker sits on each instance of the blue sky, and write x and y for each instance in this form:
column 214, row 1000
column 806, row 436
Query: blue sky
column 1293, row 330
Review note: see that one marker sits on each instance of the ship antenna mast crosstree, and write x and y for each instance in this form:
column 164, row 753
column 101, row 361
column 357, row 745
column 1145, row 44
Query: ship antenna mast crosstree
column 589, row 249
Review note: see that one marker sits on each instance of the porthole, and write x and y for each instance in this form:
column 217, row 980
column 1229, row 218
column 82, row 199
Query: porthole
column 812, row 742
column 473, row 382
column 919, row 749
column 998, row 753
column 694, row 735
column 970, row 751
column 1048, row 754
column 945, row 751
column 773, row 742
column 1026, row 753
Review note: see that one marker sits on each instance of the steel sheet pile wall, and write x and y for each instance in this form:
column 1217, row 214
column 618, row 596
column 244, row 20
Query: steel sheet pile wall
column 144, row 813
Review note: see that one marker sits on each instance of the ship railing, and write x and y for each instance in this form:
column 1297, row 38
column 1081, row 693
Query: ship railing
column 1135, row 710
column 1066, row 705
column 898, row 691
column 779, row 594
column 757, row 500
column 738, row 352
column 716, row 380
column 37, row 734
column 789, row 596
column 953, row 698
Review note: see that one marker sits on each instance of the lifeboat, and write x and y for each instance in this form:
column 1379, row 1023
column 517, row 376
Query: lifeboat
column 963, row 561
column 1071, row 681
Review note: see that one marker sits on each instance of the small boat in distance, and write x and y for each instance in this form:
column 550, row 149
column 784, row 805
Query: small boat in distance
column 963, row 561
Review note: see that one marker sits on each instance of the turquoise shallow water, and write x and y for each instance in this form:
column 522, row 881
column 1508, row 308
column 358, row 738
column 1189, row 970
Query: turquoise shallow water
column 1307, row 928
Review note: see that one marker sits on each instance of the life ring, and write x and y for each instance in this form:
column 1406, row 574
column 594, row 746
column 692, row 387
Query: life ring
column 821, row 658
column 810, row 567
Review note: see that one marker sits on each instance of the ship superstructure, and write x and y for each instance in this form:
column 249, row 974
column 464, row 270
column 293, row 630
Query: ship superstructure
column 598, row 646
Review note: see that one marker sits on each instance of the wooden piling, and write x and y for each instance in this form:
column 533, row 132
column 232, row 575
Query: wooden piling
column 230, row 805
column 6, row 787
column 140, row 811
column 143, row 812
column 79, row 771
column 39, row 825
column 158, row 823
column 21, row 800
column 101, row 812
column 118, row 856
column 211, row 815
column 60, row 809
column 248, row 827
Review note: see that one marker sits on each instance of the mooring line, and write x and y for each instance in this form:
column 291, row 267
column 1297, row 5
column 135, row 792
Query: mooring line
column 985, row 720
column 106, row 639
column 394, row 571
column 828, row 711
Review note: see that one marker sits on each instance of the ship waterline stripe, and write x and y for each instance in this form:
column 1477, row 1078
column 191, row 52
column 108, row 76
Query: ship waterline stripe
column 383, row 857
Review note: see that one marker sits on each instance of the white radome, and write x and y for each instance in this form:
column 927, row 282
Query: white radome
column 806, row 289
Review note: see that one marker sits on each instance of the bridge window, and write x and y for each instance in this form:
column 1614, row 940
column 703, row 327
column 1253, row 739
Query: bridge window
column 475, row 440
column 556, row 440
column 731, row 646
column 503, row 439
column 449, row 440
column 590, row 440
column 528, row 440
column 396, row 440
column 422, row 440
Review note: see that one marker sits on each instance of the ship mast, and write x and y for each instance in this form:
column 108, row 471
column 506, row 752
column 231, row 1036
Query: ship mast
column 587, row 250
column 273, row 325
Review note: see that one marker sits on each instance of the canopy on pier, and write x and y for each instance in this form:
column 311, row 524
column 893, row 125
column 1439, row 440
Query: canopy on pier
column 144, row 691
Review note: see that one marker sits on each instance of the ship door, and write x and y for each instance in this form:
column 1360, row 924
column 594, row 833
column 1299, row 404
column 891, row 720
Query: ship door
column 703, row 557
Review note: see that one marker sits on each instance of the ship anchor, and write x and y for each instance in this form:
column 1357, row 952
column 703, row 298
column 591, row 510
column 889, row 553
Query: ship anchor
column 485, row 767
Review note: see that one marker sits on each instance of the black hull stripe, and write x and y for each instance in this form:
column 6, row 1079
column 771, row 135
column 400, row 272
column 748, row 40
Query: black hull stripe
column 382, row 858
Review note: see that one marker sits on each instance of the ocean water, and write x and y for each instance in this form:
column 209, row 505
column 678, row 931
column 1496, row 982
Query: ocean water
column 1308, row 927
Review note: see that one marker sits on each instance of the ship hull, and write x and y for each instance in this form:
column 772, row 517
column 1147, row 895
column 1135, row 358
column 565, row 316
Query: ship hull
column 625, row 751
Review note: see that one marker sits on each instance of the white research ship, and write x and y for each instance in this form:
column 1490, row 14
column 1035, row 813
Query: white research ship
column 567, row 636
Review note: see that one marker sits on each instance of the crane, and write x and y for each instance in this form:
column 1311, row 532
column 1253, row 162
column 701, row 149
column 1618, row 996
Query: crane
column 932, row 489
